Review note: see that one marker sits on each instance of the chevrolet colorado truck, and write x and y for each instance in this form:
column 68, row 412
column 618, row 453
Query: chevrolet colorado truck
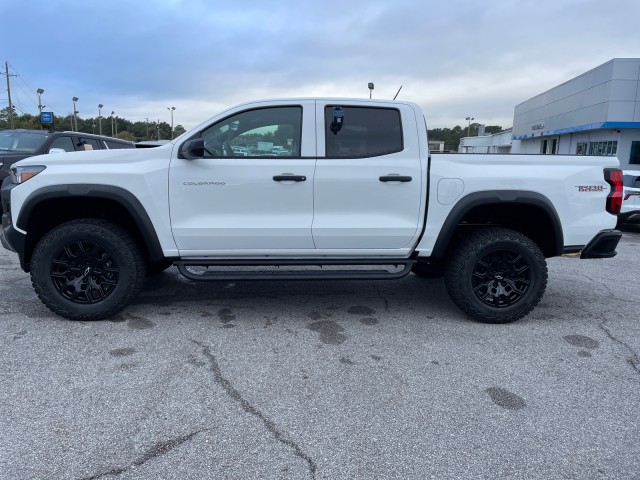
column 352, row 194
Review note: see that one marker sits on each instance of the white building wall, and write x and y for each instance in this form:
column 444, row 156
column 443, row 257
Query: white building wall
column 601, row 105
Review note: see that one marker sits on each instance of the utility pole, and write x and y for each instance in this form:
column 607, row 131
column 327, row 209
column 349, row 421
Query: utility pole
column 6, row 69
column 100, row 118
column 75, row 114
column 469, row 127
column 171, row 109
column 40, row 91
column 147, row 138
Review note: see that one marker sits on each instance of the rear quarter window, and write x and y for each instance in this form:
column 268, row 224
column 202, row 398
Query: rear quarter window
column 115, row 145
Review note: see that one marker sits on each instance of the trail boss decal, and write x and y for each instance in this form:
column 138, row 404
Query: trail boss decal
column 590, row 188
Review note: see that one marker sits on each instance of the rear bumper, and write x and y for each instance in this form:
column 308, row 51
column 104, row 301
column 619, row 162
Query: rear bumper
column 603, row 245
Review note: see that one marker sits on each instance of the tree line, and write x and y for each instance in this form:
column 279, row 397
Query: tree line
column 116, row 127
column 138, row 131
column 452, row 136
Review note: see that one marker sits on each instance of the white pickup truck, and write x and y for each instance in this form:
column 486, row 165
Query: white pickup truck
column 354, row 195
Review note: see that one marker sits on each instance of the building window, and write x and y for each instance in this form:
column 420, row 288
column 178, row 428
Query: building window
column 581, row 148
column 634, row 157
column 607, row 149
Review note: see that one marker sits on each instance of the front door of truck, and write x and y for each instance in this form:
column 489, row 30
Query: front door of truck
column 253, row 189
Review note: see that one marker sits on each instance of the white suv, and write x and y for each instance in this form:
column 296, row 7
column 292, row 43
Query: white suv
column 631, row 196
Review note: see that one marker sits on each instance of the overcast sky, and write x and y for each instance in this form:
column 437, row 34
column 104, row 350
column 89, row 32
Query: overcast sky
column 454, row 58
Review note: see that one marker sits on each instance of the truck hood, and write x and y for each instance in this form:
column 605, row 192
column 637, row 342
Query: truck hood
column 115, row 156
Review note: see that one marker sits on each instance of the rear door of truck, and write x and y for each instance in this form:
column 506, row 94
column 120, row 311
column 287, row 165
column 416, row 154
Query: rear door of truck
column 369, row 181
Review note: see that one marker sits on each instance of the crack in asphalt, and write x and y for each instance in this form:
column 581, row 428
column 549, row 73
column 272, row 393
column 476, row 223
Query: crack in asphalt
column 383, row 298
column 610, row 293
column 249, row 408
column 157, row 450
column 634, row 360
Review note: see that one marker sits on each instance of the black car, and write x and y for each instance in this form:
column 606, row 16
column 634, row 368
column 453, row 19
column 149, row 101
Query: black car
column 18, row 144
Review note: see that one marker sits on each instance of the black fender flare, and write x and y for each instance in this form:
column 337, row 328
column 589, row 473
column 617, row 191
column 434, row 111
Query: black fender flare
column 124, row 197
column 477, row 199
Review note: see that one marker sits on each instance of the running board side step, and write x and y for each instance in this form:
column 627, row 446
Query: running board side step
column 402, row 265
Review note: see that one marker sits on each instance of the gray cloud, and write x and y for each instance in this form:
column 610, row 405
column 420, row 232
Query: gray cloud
column 454, row 58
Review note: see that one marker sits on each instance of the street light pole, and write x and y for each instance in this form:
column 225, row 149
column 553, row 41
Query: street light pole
column 171, row 109
column 469, row 127
column 40, row 92
column 100, row 118
column 112, row 114
column 75, row 114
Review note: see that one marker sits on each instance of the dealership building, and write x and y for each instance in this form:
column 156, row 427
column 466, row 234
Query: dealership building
column 596, row 113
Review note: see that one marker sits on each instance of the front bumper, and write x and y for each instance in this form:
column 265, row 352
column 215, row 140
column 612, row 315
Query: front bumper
column 603, row 245
column 11, row 238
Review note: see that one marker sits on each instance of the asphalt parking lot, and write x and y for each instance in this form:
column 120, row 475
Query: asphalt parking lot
column 326, row 380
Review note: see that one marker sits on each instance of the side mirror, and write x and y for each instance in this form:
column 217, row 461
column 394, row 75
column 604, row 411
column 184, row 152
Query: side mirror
column 193, row 149
column 56, row 150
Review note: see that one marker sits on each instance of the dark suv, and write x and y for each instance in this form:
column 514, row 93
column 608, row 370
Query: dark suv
column 18, row 144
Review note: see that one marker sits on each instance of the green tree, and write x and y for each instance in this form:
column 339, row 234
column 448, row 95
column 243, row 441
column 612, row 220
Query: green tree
column 127, row 136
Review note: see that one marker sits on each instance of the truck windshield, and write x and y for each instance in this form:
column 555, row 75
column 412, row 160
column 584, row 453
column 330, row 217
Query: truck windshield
column 21, row 141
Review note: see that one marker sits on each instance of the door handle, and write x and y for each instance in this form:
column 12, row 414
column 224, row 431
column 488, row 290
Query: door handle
column 289, row 177
column 395, row 178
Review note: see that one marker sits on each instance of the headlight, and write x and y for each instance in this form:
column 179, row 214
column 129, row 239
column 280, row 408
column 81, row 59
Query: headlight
column 22, row 174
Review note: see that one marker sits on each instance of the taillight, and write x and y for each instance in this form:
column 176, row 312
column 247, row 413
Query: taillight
column 613, row 176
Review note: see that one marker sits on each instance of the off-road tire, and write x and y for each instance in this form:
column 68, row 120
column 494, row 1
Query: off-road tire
column 87, row 269
column 496, row 275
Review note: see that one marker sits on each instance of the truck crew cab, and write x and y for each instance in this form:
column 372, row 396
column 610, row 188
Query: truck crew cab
column 353, row 194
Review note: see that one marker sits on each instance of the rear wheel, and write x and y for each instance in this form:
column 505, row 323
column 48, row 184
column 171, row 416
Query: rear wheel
column 87, row 269
column 496, row 275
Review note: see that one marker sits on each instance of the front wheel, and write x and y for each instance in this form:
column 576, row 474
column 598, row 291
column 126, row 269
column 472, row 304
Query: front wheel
column 87, row 269
column 496, row 275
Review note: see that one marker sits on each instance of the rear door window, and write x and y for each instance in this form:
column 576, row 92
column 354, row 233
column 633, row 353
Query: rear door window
column 363, row 131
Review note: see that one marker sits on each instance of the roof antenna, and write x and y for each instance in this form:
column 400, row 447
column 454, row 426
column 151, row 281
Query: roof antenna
column 398, row 92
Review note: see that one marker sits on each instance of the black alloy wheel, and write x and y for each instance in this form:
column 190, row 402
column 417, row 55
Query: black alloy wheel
column 87, row 269
column 501, row 278
column 84, row 272
column 496, row 275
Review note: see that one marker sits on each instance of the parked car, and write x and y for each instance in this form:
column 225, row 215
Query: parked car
column 18, row 144
column 630, row 197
